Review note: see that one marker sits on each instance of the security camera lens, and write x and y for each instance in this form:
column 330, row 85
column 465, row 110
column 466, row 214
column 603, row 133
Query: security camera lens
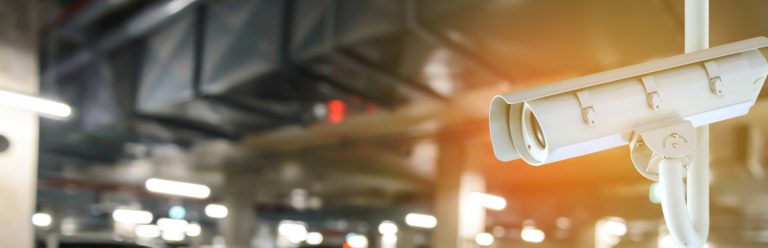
column 4, row 143
column 537, row 133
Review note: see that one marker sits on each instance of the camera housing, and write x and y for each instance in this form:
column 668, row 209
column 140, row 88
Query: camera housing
column 602, row 111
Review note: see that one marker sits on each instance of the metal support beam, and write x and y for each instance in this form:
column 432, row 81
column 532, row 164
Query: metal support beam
column 187, row 125
column 139, row 25
column 92, row 11
column 198, row 52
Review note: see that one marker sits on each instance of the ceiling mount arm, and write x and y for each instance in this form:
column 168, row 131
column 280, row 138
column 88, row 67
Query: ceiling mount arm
column 677, row 213
column 664, row 153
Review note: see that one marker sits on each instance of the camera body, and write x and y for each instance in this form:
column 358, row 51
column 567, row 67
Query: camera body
column 602, row 111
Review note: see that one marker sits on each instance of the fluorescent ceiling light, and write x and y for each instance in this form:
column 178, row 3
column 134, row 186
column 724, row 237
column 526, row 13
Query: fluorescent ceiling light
column 614, row 226
column 387, row 228
column 484, row 239
column 193, row 230
column 173, row 229
column 314, row 238
column 216, row 211
column 35, row 104
column 41, row 219
column 389, row 240
column 421, row 220
column 357, row 241
column 295, row 231
column 130, row 216
column 169, row 187
column 532, row 235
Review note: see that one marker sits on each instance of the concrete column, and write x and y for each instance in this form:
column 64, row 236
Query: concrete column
column 239, row 227
column 406, row 238
column 459, row 171
column 18, row 164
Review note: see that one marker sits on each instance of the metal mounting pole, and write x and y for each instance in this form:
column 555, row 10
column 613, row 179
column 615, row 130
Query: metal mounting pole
column 689, row 223
column 697, row 38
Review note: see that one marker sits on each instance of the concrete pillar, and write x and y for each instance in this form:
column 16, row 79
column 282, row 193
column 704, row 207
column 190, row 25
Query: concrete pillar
column 239, row 227
column 406, row 238
column 459, row 172
column 18, row 163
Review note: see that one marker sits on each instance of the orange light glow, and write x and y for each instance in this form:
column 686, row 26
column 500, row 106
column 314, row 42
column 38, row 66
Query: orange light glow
column 337, row 111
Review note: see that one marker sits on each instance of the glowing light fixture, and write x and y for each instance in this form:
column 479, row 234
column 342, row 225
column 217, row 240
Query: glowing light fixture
column 169, row 187
column 484, row 239
column 357, row 240
column 488, row 201
column 614, row 226
column 193, row 229
column 532, row 235
column 421, row 220
column 130, row 216
column 172, row 229
column 216, row 211
column 388, row 228
column 314, row 238
column 41, row 219
column 389, row 240
column 42, row 106
column 337, row 111
column 177, row 212
column 295, row 231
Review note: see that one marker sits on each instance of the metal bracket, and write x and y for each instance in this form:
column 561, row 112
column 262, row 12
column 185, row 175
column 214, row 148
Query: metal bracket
column 651, row 93
column 715, row 81
column 649, row 145
column 587, row 110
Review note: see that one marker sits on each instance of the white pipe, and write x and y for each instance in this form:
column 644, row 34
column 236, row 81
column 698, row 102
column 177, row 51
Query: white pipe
column 697, row 38
column 696, row 25
column 673, row 204
column 697, row 184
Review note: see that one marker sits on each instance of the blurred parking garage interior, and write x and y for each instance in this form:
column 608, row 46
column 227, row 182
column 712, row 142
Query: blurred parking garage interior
column 336, row 123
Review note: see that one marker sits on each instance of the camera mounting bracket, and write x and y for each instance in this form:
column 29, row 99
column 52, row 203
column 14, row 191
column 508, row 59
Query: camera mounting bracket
column 665, row 153
column 652, row 144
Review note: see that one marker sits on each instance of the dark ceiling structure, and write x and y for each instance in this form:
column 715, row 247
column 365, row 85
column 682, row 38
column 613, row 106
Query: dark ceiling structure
column 150, row 78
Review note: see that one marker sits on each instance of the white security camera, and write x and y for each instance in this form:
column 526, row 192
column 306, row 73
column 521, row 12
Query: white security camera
column 654, row 107
column 601, row 111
